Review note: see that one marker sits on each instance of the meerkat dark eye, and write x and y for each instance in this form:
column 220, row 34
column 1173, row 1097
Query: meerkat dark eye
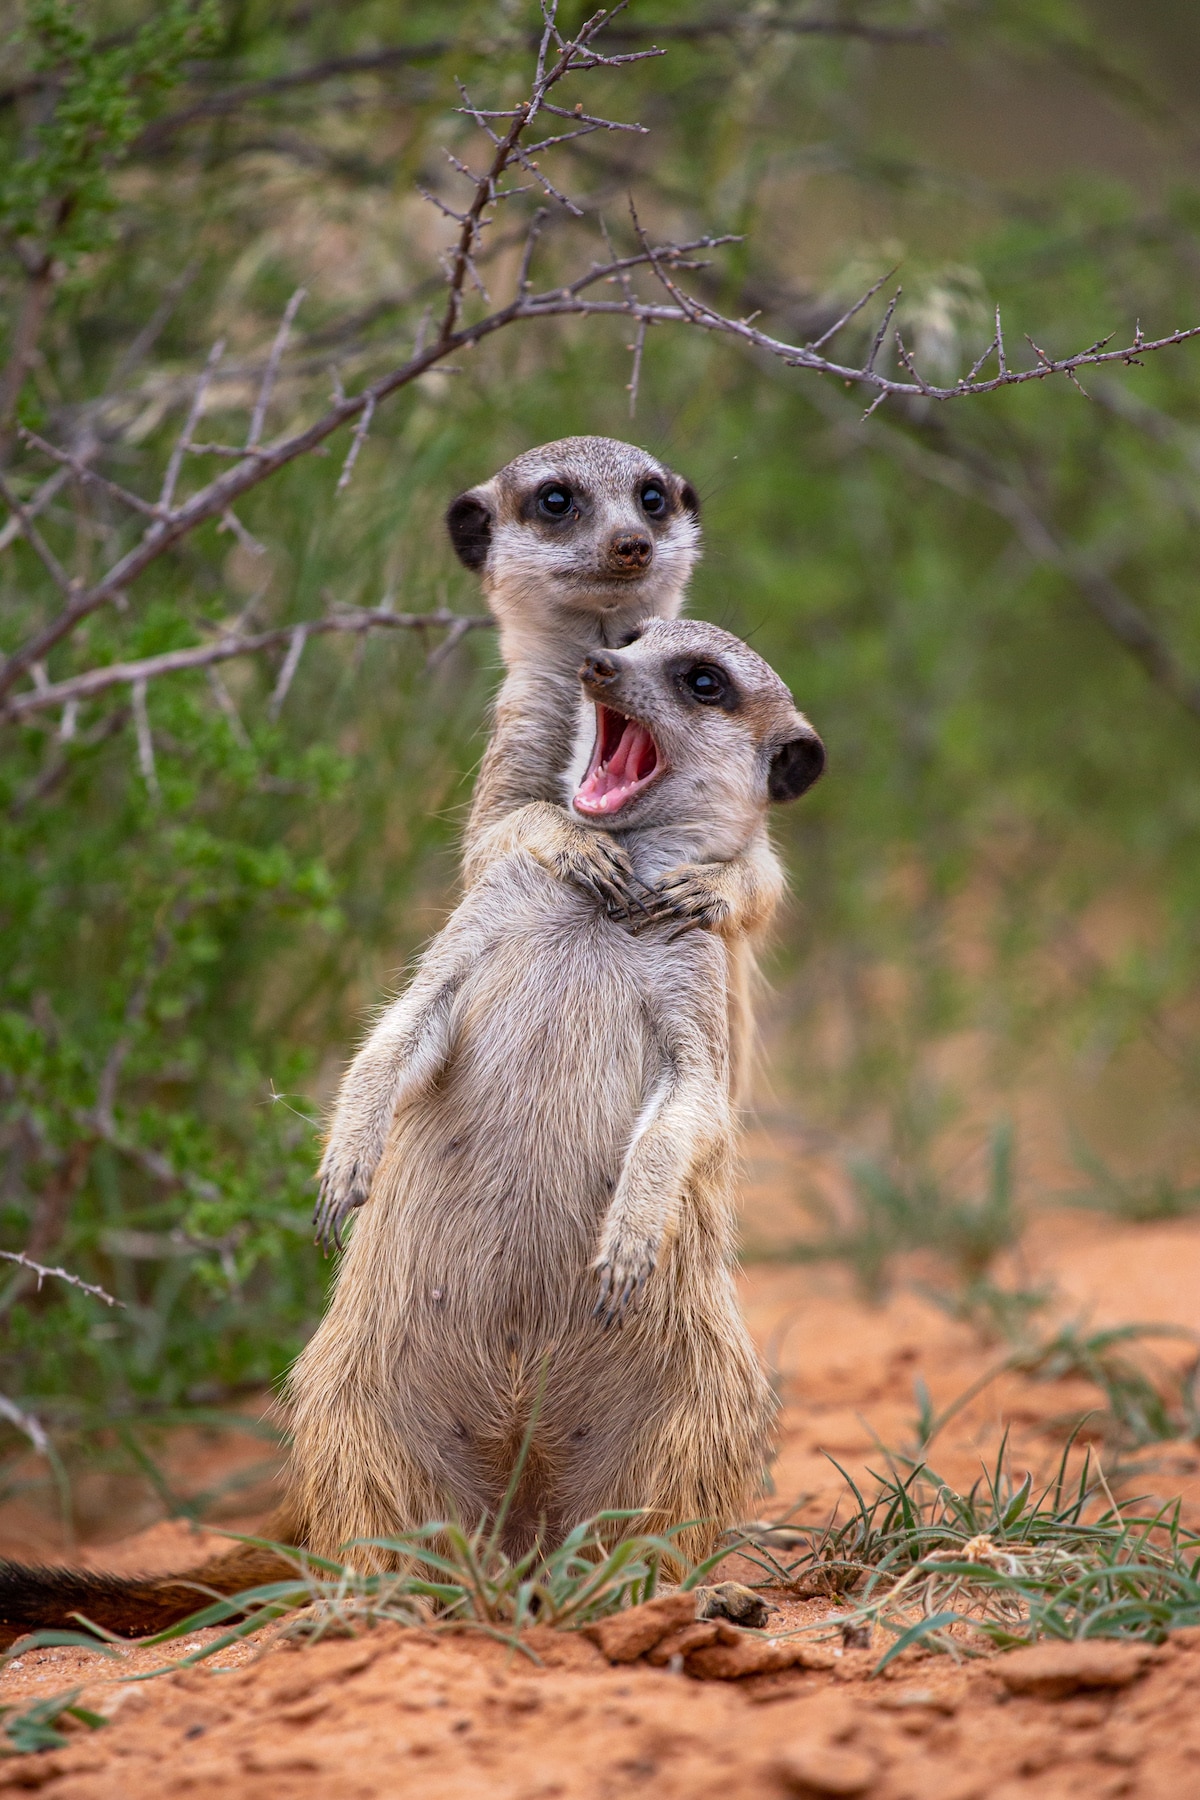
column 707, row 684
column 555, row 500
column 654, row 500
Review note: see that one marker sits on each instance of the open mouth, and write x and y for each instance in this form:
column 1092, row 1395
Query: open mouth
column 625, row 761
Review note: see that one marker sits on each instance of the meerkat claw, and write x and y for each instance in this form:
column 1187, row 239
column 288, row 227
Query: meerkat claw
column 688, row 895
column 602, row 871
column 683, row 929
column 332, row 1212
column 621, row 1285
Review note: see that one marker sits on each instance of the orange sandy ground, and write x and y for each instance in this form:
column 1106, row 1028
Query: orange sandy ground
column 416, row 1713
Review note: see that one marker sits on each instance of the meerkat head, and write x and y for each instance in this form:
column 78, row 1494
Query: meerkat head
column 689, row 729
column 581, row 538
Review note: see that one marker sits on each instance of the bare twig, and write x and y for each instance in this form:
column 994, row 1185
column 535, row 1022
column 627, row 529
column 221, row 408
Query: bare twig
column 356, row 444
column 850, row 312
column 135, row 675
column 635, row 373
column 145, row 739
column 228, row 707
column 25, row 1422
column 272, row 368
column 231, row 523
column 184, row 441
column 44, row 1274
column 287, row 673
column 881, row 334
column 33, row 536
column 449, row 643
column 14, row 528
column 76, row 466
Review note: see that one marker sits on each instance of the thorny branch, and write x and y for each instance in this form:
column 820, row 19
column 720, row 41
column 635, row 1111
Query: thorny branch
column 44, row 1274
column 170, row 519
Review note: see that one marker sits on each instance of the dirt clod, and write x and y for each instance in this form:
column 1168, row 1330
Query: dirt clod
column 755, row 1656
column 696, row 1636
column 628, row 1635
column 1052, row 1671
column 811, row 1770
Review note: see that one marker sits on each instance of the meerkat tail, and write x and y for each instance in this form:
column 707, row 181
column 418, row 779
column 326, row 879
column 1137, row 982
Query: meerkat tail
column 35, row 1597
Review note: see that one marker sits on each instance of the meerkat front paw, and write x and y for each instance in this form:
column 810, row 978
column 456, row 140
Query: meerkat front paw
column 593, row 862
column 341, row 1192
column 624, row 1270
column 691, row 894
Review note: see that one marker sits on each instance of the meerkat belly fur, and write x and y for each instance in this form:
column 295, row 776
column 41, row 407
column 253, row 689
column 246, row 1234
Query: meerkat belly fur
column 549, row 1244
column 578, row 543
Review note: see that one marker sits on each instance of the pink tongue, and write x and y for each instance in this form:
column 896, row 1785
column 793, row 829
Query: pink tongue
column 610, row 784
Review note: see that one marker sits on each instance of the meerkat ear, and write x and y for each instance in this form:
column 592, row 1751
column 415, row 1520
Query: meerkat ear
column 469, row 522
column 689, row 499
column 796, row 765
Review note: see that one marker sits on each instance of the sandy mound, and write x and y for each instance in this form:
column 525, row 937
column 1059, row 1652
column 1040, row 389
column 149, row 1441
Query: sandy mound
column 419, row 1712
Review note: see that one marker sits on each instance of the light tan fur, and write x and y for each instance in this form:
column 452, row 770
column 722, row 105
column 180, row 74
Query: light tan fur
column 562, row 1148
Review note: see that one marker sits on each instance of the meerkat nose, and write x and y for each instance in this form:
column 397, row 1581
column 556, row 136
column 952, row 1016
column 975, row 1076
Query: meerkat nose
column 599, row 671
column 631, row 550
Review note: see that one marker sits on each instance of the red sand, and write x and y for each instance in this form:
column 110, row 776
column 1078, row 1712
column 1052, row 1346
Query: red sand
column 417, row 1713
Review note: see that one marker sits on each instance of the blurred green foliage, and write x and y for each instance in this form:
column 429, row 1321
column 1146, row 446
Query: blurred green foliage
column 998, row 879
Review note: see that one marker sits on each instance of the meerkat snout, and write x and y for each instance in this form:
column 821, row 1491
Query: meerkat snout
column 599, row 671
column 630, row 552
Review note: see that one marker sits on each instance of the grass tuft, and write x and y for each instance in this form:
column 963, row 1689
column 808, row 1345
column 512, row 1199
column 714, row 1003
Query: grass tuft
column 1145, row 1201
column 1000, row 1565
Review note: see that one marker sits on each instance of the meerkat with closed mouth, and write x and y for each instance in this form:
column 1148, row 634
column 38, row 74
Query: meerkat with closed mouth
column 554, row 1095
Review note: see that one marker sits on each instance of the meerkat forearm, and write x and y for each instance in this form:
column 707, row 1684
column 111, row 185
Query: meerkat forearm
column 532, row 730
column 684, row 1119
column 403, row 1055
column 590, row 860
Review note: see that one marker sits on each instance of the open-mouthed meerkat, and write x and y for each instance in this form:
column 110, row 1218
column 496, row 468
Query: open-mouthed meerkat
column 553, row 1091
